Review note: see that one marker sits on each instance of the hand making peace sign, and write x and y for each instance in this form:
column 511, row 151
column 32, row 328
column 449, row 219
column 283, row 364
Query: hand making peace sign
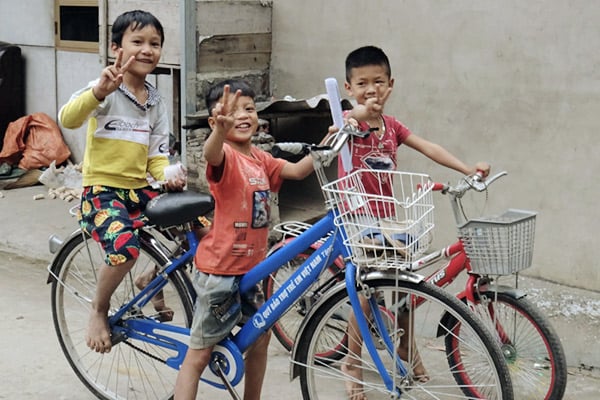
column 224, row 111
column 372, row 108
column 112, row 76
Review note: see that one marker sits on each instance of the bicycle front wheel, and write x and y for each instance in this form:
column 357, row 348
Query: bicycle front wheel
column 418, row 336
column 133, row 369
column 532, row 348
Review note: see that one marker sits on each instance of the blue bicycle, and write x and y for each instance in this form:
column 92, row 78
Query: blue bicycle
column 150, row 326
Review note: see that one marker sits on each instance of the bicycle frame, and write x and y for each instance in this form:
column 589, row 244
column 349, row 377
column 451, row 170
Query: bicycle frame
column 444, row 276
column 230, row 350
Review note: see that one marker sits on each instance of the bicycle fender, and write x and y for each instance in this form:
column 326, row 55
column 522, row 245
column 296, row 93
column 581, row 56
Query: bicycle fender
column 508, row 290
column 374, row 275
column 53, row 241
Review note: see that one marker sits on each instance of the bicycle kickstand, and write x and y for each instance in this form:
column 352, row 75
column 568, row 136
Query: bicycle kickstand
column 217, row 365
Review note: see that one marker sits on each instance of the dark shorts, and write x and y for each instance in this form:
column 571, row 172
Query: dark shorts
column 219, row 307
column 113, row 216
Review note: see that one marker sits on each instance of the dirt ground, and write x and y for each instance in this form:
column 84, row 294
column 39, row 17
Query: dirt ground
column 33, row 367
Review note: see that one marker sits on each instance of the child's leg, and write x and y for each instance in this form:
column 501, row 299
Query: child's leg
column 405, row 321
column 352, row 364
column 158, row 301
column 112, row 217
column 194, row 363
column 256, row 365
column 109, row 277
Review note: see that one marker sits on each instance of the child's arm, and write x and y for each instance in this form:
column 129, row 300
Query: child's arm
column 221, row 122
column 298, row 170
column 443, row 157
column 77, row 110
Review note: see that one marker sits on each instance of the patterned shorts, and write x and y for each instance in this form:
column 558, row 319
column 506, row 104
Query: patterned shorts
column 112, row 216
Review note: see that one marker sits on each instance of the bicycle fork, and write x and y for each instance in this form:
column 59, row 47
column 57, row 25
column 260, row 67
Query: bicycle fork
column 381, row 327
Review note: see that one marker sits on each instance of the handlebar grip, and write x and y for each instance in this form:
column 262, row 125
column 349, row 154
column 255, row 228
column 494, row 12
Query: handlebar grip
column 289, row 147
column 435, row 186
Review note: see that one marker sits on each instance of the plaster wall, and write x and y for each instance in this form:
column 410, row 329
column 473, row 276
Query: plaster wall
column 514, row 83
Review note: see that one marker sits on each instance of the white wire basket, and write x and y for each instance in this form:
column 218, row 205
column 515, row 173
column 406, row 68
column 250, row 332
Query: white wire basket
column 386, row 230
column 500, row 245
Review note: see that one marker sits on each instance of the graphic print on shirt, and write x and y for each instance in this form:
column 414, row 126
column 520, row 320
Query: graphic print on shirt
column 375, row 155
column 378, row 158
column 123, row 128
column 240, row 248
column 261, row 210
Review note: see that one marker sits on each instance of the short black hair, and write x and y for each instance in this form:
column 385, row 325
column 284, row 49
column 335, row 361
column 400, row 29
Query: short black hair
column 137, row 19
column 216, row 92
column 364, row 56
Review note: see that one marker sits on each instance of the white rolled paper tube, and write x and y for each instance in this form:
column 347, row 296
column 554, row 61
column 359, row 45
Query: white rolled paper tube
column 335, row 105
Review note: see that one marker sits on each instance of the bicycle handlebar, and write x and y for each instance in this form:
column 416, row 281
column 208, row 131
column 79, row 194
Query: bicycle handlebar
column 475, row 182
column 290, row 147
column 327, row 151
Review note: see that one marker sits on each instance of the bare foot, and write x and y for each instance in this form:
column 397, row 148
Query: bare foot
column 98, row 335
column 354, row 387
column 165, row 313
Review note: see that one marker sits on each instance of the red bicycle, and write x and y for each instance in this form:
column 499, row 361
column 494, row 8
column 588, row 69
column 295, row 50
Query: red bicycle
column 487, row 249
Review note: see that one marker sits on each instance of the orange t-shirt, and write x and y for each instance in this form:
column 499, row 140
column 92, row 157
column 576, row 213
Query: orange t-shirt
column 237, row 239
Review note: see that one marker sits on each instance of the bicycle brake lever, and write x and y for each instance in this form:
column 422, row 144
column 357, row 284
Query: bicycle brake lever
column 364, row 134
column 476, row 181
column 352, row 130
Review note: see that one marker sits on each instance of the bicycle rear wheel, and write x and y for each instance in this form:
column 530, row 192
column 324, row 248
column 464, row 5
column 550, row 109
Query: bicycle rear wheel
column 439, row 378
column 133, row 369
column 532, row 348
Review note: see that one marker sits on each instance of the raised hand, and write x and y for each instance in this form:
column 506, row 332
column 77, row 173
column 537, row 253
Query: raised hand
column 224, row 111
column 372, row 109
column 375, row 105
column 112, row 76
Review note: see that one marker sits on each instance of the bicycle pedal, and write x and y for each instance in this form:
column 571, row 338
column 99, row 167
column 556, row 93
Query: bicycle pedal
column 116, row 338
column 216, row 366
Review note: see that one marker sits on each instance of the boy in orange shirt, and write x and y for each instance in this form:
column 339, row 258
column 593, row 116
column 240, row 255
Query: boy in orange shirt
column 241, row 178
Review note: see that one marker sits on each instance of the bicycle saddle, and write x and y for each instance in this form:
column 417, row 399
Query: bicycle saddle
column 176, row 208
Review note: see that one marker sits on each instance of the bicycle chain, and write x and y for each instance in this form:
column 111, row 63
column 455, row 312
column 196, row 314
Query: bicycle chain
column 144, row 352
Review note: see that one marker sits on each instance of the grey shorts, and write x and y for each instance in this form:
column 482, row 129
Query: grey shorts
column 219, row 307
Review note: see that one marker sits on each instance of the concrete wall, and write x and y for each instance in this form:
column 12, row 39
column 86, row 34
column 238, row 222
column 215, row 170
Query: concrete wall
column 514, row 83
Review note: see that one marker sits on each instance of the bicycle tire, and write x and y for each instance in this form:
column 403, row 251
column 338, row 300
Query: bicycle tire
column 286, row 328
column 486, row 367
column 533, row 350
column 133, row 368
